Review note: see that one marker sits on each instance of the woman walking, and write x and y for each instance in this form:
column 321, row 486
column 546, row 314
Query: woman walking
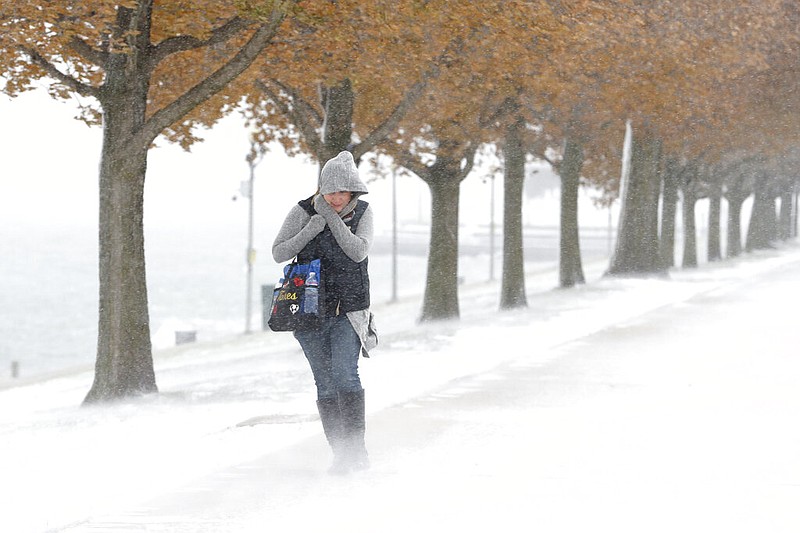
column 336, row 226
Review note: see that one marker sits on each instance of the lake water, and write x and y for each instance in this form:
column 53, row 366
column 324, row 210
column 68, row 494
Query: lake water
column 196, row 282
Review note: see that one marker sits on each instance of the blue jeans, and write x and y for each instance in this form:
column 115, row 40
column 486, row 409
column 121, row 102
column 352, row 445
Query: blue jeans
column 332, row 351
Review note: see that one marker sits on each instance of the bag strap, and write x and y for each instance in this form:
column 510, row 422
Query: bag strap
column 292, row 267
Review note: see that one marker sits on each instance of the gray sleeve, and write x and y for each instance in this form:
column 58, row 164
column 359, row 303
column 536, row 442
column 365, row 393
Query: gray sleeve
column 355, row 245
column 298, row 229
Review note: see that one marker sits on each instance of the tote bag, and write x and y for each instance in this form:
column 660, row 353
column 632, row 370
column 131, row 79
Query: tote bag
column 297, row 298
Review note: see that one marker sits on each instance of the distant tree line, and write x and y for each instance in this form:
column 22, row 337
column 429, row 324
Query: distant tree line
column 708, row 91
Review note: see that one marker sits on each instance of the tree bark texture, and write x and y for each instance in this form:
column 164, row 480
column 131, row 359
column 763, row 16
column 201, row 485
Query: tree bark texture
column 512, row 286
column 786, row 213
column 689, row 227
column 441, row 286
column 714, row 218
column 570, row 264
column 124, row 364
column 637, row 251
column 669, row 209
column 338, row 101
column 734, row 239
column 763, row 222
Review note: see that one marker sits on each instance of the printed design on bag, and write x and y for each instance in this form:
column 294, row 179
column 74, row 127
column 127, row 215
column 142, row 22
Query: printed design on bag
column 296, row 297
column 287, row 296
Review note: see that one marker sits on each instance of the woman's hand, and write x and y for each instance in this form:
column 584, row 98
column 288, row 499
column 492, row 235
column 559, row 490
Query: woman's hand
column 316, row 224
column 324, row 209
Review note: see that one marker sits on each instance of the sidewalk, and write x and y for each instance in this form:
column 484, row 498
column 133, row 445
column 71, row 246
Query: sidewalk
column 632, row 405
column 680, row 418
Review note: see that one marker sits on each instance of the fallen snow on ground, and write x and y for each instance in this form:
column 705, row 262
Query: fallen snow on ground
column 664, row 404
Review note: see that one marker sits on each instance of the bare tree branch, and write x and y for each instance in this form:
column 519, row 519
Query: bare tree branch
column 393, row 120
column 183, row 43
column 81, row 88
column 302, row 114
column 469, row 154
column 411, row 96
column 83, row 49
column 211, row 85
column 407, row 160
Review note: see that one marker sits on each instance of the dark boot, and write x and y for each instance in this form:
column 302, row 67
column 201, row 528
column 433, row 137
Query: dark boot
column 351, row 405
column 332, row 424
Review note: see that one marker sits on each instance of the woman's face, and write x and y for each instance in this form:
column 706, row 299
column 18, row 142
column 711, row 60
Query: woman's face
column 338, row 200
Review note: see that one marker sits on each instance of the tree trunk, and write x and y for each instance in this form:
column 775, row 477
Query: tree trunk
column 512, row 287
column 668, row 213
column 441, row 286
column 689, row 227
column 714, row 217
column 124, row 364
column 338, row 102
column 761, row 231
column 786, row 214
column 637, row 250
column 735, row 225
column 570, row 267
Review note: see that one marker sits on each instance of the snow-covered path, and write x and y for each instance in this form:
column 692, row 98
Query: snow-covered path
column 679, row 417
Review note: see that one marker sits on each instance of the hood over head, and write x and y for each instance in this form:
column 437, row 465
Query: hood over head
column 341, row 174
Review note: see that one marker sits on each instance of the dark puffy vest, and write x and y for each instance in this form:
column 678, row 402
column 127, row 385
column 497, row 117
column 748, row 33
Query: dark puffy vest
column 345, row 283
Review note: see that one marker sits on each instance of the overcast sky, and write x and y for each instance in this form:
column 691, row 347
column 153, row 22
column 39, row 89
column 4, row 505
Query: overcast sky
column 50, row 165
column 50, row 168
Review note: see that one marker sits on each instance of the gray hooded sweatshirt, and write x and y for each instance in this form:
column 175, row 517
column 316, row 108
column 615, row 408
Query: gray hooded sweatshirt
column 299, row 228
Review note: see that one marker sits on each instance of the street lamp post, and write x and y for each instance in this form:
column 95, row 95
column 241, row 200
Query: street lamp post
column 250, row 254
column 491, row 230
column 491, row 179
column 394, row 235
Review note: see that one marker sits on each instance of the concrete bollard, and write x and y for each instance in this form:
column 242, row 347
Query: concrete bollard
column 14, row 369
column 185, row 337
